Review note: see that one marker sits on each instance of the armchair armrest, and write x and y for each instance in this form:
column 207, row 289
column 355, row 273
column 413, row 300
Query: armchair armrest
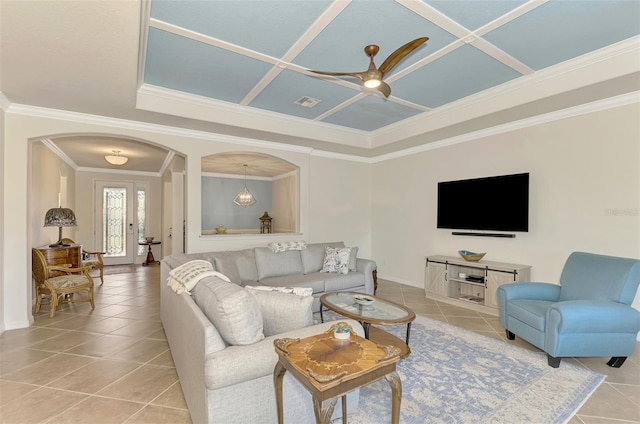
column 592, row 316
column 68, row 269
column 536, row 291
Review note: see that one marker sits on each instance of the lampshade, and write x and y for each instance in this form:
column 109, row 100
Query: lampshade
column 116, row 159
column 245, row 198
column 60, row 217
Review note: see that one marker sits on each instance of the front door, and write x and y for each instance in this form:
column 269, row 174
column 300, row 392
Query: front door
column 115, row 222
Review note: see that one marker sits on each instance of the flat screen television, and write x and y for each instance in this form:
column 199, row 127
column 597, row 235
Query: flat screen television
column 499, row 203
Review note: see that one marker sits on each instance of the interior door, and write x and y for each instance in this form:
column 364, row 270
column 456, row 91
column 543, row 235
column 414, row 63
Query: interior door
column 115, row 224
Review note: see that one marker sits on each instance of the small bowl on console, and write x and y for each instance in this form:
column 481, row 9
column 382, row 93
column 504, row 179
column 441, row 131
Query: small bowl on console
column 149, row 239
column 471, row 256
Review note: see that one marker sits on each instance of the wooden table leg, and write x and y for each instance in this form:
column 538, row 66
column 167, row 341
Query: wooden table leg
column 344, row 409
column 278, row 375
column 396, row 395
column 323, row 410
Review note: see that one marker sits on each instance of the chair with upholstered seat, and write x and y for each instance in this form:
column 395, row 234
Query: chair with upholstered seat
column 94, row 261
column 59, row 283
column 587, row 315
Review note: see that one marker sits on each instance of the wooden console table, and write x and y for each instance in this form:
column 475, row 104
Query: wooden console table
column 328, row 367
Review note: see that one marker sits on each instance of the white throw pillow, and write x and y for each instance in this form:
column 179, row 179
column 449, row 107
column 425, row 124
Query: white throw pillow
column 282, row 312
column 336, row 259
column 231, row 309
column 184, row 278
column 283, row 246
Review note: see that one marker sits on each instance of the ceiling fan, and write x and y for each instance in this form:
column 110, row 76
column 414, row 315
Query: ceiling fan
column 372, row 77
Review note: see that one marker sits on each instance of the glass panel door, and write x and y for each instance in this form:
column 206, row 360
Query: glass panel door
column 114, row 214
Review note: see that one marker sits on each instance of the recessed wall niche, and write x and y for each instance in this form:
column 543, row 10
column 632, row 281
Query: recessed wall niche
column 271, row 180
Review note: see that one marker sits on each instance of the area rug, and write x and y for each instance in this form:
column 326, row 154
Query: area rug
column 457, row 376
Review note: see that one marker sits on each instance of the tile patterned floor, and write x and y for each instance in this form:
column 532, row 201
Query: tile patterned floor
column 113, row 364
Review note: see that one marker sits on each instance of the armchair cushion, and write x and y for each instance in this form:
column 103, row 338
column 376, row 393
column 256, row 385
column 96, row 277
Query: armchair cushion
column 531, row 312
column 66, row 281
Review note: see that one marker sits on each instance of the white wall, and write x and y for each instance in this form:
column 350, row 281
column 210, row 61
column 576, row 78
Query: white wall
column 285, row 202
column 584, row 195
column 329, row 221
column 3, row 296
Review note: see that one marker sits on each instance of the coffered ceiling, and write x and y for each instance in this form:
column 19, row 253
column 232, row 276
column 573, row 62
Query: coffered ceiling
column 236, row 68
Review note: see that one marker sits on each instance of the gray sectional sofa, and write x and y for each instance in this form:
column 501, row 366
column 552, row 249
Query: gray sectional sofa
column 228, row 383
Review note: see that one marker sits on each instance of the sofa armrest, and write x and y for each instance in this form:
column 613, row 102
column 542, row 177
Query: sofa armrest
column 367, row 266
column 237, row 364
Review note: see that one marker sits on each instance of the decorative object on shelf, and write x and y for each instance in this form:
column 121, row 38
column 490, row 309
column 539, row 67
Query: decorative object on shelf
column 245, row 198
column 116, row 159
column 60, row 217
column 221, row 229
column 265, row 223
column 471, row 256
column 149, row 239
column 341, row 331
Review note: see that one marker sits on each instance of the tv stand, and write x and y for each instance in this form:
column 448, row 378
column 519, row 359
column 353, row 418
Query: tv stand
column 463, row 233
column 470, row 284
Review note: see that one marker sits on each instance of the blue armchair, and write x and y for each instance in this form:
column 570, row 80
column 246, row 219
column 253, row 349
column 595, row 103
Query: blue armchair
column 587, row 315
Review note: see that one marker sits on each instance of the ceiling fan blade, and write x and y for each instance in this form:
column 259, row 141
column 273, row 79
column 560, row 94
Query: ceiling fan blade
column 400, row 53
column 384, row 88
column 337, row 74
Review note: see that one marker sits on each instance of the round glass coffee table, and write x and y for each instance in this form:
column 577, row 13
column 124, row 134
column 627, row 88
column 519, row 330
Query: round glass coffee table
column 377, row 311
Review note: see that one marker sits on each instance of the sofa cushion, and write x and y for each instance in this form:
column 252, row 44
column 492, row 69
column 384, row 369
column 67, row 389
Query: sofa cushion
column 225, row 263
column 314, row 281
column 282, row 312
column 231, row 309
column 341, row 282
column 246, row 264
column 313, row 256
column 336, row 259
column 353, row 259
column 271, row 264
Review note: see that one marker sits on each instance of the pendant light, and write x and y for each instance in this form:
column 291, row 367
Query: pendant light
column 245, row 198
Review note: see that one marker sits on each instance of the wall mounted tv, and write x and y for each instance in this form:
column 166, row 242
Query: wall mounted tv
column 499, row 203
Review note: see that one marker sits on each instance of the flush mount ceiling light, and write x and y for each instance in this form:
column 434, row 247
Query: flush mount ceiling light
column 116, row 159
column 245, row 198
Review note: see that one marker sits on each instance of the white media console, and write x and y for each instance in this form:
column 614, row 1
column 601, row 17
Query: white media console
column 470, row 284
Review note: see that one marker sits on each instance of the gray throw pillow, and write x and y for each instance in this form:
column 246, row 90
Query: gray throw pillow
column 282, row 312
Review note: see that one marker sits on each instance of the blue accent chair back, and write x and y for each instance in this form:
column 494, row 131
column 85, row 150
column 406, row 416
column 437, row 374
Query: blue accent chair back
column 589, row 314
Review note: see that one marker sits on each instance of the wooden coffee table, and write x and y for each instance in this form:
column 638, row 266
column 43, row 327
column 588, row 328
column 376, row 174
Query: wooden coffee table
column 328, row 367
column 380, row 312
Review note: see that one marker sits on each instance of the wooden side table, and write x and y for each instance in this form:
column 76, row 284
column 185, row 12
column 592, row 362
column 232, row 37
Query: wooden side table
column 150, row 259
column 328, row 367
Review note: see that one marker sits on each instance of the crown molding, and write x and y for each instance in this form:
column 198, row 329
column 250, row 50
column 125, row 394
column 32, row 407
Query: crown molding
column 119, row 171
column 235, row 176
column 172, row 102
column 597, row 106
column 56, row 151
column 4, row 102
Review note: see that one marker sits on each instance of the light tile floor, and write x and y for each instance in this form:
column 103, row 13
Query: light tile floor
column 113, row 364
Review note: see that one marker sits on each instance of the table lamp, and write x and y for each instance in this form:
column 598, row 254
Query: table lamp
column 60, row 217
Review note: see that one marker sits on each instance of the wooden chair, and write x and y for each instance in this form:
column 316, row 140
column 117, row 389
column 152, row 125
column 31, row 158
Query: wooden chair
column 59, row 283
column 94, row 261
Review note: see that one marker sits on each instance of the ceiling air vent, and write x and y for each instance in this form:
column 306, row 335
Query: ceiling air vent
column 307, row 101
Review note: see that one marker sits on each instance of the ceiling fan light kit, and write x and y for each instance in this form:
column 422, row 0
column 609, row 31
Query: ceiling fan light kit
column 372, row 77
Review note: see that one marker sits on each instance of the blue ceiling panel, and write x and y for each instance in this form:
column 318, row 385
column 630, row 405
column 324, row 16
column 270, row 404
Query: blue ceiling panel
column 289, row 86
column 563, row 29
column 269, row 27
column 186, row 65
column 371, row 113
column 463, row 72
column 339, row 48
column 472, row 14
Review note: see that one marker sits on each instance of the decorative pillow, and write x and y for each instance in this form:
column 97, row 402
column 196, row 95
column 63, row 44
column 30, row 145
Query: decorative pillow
column 282, row 312
column 313, row 256
column 336, row 259
column 283, row 246
column 226, row 264
column 231, row 309
column 184, row 278
column 299, row 291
